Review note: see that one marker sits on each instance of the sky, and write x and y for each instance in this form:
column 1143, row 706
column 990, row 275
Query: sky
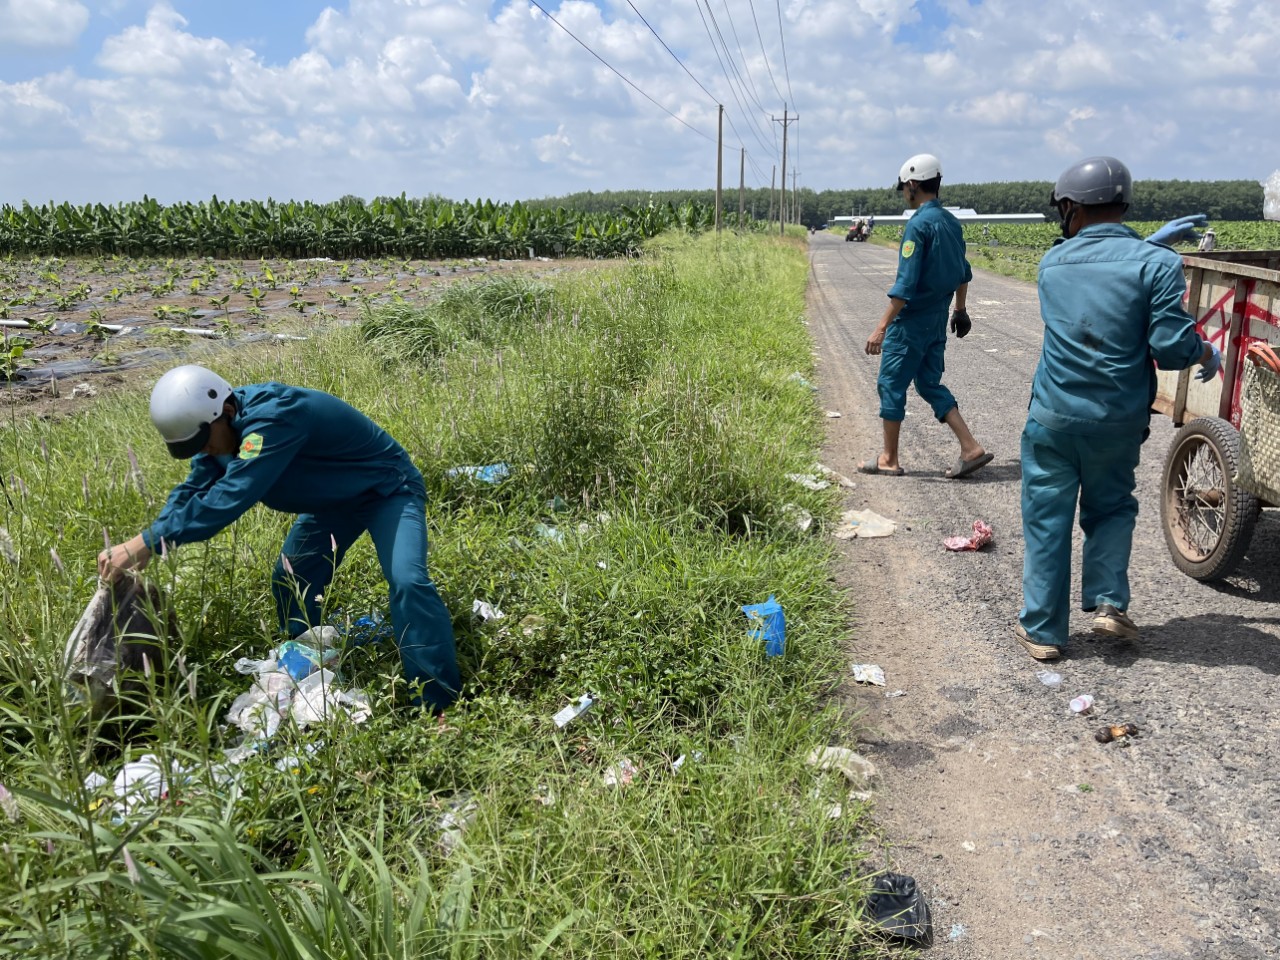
column 108, row 100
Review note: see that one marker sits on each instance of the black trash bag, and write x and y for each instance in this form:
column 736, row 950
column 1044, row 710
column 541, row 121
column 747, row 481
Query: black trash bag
column 122, row 636
column 899, row 909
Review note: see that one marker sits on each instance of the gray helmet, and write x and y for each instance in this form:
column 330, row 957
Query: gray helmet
column 184, row 404
column 1092, row 181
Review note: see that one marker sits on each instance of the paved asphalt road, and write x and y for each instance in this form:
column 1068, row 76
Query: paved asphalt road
column 1030, row 838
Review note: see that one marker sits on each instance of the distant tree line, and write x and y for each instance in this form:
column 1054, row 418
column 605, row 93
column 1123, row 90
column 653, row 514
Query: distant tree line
column 1153, row 200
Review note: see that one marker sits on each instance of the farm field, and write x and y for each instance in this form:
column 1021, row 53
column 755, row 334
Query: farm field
column 677, row 817
column 89, row 319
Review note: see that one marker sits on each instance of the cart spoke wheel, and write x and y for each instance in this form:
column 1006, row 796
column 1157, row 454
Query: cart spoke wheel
column 1207, row 520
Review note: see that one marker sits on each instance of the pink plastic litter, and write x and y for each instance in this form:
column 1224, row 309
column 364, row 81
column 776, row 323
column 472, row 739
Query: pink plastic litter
column 982, row 535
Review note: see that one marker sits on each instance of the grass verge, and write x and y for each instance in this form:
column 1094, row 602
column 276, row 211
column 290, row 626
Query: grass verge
column 649, row 413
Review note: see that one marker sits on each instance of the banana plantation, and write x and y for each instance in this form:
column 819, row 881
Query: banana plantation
column 347, row 229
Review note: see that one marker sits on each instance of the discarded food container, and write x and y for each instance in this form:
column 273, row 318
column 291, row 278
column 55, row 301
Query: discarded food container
column 1082, row 703
column 573, row 711
column 768, row 623
column 868, row 673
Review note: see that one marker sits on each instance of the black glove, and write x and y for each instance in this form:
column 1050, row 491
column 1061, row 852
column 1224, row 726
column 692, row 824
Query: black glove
column 960, row 323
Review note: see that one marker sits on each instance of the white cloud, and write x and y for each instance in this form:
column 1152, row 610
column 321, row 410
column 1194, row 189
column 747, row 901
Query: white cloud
column 489, row 98
column 41, row 23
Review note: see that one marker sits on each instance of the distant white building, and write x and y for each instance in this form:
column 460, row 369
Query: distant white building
column 963, row 214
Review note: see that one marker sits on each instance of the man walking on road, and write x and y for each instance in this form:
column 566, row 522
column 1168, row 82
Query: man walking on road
column 911, row 337
column 1112, row 310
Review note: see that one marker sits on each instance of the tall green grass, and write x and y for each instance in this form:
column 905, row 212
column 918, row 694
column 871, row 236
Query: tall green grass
column 648, row 413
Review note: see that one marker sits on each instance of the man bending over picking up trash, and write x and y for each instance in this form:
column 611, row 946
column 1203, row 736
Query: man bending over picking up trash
column 911, row 337
column 304, row 452
column 1111, row 303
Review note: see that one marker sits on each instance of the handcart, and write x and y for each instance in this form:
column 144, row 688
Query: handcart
column 1223, row 466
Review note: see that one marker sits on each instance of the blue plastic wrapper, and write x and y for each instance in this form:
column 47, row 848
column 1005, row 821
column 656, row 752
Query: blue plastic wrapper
column 489, row 473
column 768, row 624
column 368, row 630
column 301, row 660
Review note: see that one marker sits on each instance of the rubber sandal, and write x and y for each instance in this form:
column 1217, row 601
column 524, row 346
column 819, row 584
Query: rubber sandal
column 873, row 467
column 965, row 467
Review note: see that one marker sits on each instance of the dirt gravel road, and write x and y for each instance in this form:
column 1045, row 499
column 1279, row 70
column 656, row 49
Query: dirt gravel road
column 1029, row 838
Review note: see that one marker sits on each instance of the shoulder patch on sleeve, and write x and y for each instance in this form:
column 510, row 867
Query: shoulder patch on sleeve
column 908, row 249
column 251, row 446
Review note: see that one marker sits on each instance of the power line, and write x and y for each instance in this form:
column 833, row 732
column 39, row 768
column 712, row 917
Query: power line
column 713, row 97
column 759, row 173
column 783, row 38
column 746, row 66
column 760, row 37
column 624, row 79
column 725, row 70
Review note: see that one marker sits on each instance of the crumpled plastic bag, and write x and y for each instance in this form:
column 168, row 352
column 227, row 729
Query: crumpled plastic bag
column 768, row 623
column 899, row 909
column 122, row 631
column 864, row 524
column 1271, row 197
column 982, row 535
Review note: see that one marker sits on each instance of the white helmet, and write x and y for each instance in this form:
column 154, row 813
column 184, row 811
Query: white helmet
column 184, row 404
column 923, row 166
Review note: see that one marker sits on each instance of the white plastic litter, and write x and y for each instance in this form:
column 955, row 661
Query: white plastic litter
column 621, row 773
column 139, row 782
column 318, row 698
column 573, row 711
column 833, row 414
column 868, row 673
column 856, row 768
column 834, row 477
column 864, row 524
column 809, row 481
column 895, row 693
column 798, row 515
column 1049, row 678
column 1082, row 703
column 485, row 612
column 460, row 813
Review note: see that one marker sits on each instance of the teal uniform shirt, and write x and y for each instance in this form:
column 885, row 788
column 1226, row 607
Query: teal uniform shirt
column 301, row 451
column 931, row 263
column 1111, row 305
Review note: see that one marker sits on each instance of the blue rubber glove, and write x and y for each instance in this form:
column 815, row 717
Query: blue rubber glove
column 1210, row 369
column 1181, row 229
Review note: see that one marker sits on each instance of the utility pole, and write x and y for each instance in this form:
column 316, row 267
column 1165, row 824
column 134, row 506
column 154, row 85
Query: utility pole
column 720, row 172
column 742, row 186
column 786, row 120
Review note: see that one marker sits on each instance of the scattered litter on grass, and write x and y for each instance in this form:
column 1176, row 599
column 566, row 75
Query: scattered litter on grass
column 857, row 769
column 1049, row 678
column 895, row 693
column 833, row 414
column 531, row 624
column 489, row 473
column 768, row 623
column 557, row 504
column 898, row 908
column 834, row 477
column 798, row 515
column 542, row 794
column 1119, row 731
column 868, row 673
column 460, row 812
column 982, row 535
column 834, row 811
column 485, row 612
column 809, row 481
column 546, row 532
column 679, row 761
column 573, row 711
column 799, row 378
column 83, row 390
column 369, row 630
column 621, row 774
column 1082, row 703
column 864, row 524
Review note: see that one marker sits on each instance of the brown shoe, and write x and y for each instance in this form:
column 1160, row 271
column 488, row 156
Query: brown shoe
column 1110, row 622
column 1041, row 651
